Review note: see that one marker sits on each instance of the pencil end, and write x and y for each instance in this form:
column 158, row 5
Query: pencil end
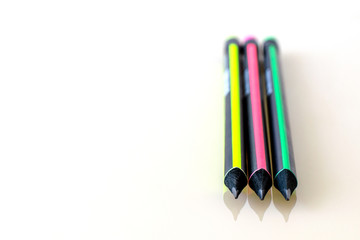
column 249, row 38
column 270, row 38
column 260, row 182
column 286, row 193
column 235, row 180
column 285, row 181
column 231, row 40
column 261, row 193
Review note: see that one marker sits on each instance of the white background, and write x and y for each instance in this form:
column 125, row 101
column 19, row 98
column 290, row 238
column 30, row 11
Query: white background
column 111, row 119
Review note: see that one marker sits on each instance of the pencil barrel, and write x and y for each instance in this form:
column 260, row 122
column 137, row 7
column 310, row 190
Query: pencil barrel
column 234, row 159
column 259, row 169
column 258, row 157
column 283, row 163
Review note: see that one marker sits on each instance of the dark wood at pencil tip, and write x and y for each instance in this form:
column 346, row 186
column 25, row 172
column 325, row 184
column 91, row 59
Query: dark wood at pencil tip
column 260, row 182
column 286, row 182
column 235, row 180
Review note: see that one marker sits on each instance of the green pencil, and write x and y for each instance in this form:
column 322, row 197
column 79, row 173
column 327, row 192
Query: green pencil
column 283, row 164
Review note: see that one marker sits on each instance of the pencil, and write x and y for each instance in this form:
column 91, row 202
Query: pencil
column 281, row 146
column 258, row 159
column 235, row 178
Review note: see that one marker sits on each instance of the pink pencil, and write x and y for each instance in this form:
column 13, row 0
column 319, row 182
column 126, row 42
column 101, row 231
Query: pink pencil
column 258, row 158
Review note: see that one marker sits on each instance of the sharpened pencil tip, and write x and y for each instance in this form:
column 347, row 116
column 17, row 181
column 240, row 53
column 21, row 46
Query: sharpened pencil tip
column 260, row 182
column 286, row 182
column 235, row 192
column 286, row 193
column 261, row 193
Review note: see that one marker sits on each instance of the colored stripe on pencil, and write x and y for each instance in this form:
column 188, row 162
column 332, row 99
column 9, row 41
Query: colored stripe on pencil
column 235, row 103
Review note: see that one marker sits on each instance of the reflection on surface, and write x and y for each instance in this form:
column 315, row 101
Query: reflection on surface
column 282, row 205
column 257, row 205
column 235, row 205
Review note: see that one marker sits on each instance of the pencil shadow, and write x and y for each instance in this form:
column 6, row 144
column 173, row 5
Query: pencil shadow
column 257, row 205
column 303, row 106
column 235, row 205
column 282, row 205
